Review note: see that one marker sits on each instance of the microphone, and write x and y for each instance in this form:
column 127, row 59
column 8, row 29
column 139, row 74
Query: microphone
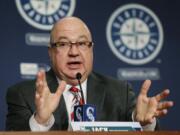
column 84, row 112
column 78, row 77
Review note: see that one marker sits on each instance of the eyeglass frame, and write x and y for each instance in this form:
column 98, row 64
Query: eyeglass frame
column 70, row 44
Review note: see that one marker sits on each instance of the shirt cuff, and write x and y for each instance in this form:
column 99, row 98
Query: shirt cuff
column 148, row 127
column 35, row 126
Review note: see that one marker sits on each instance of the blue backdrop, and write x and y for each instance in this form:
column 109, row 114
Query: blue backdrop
column 134, row 40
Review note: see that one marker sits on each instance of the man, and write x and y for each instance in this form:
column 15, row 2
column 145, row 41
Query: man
column 45, row 103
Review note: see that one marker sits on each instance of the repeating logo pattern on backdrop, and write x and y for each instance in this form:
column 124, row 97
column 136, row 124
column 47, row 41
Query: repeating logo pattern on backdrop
column 134, row 34
column 42, row 14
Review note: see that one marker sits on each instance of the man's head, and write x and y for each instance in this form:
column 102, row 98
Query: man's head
column 71, row 49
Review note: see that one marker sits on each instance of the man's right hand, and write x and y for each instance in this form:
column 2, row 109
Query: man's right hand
column 45, row 101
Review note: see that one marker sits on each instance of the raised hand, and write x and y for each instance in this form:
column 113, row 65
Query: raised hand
column 147, row 108
column 45, row 101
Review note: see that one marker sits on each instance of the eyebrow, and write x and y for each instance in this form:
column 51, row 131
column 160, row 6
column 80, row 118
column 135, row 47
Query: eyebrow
column 66, row 38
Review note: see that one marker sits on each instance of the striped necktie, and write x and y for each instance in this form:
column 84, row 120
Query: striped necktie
column 77, row 100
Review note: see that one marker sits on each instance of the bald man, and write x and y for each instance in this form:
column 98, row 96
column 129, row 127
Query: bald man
column 46, row 103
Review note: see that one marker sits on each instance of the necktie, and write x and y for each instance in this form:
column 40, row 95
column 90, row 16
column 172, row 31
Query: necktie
column 77, row 100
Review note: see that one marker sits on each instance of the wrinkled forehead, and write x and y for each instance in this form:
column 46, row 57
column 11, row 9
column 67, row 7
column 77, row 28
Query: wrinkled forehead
column 72, row 29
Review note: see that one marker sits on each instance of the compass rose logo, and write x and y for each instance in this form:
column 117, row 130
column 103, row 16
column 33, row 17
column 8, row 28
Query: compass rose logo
column 134, row 34
column 42, row 14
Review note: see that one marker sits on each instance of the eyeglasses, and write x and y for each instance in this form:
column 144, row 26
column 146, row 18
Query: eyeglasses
column 81, row 45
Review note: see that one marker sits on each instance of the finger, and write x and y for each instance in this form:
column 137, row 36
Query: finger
column 161, row 113
column 40, row 75
column 165, row 105
column 39, row 82
column 39, row 87
column 145, row 87
column 162, row 95
column 43, row 76
column 38, row 101
column 37, row 96
column 60, row 88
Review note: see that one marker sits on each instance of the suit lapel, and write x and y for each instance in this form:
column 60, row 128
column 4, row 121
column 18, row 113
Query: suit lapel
column 60, row 114
column 96, row 93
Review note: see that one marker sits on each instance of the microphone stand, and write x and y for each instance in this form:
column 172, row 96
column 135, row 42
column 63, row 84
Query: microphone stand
column 78, row 77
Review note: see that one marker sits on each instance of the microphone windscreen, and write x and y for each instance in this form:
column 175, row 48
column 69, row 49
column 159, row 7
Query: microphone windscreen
column 78, row 76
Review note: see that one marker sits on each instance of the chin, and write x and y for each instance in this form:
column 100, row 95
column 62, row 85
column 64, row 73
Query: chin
column 73, row 82
column 71, row 75
column 74, row 72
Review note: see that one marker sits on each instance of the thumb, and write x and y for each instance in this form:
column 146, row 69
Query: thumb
column 145, row 87
column 60, row 88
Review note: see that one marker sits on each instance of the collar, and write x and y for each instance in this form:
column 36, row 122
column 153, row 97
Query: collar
column 68, row 86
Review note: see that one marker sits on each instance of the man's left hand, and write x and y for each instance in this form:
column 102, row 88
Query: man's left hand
column 147, row 108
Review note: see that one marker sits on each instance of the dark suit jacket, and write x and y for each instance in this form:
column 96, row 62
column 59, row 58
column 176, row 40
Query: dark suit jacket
column 114, row 101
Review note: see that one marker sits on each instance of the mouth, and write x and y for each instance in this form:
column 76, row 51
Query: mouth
column 74, row 64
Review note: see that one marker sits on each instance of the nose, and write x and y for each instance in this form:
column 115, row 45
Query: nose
column 73, row 51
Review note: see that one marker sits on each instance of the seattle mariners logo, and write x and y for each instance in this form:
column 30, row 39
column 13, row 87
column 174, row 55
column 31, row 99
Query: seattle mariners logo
column 134, row 34
column 42, row 14
column 90, row 112
column 78, row 113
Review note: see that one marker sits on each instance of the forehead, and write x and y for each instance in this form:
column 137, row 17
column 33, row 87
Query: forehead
column 70, row 29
